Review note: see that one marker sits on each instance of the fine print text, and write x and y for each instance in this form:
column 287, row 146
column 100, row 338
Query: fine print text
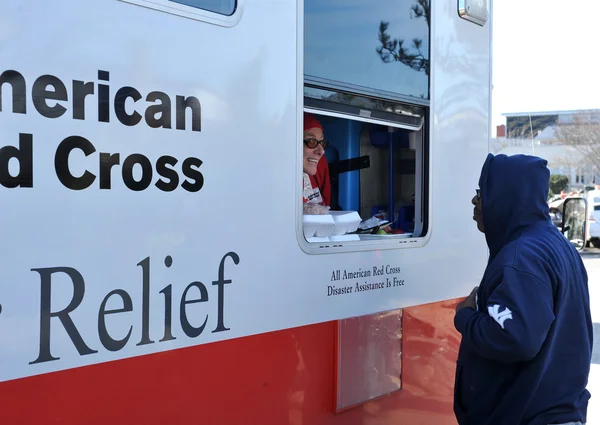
column 375, row 278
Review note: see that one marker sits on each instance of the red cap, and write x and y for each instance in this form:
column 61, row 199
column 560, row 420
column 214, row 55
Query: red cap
column 311, row 122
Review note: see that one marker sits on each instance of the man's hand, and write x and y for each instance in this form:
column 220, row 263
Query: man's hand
column 469, row 301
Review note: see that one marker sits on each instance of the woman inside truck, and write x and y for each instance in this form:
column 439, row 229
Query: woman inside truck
column 316, row 184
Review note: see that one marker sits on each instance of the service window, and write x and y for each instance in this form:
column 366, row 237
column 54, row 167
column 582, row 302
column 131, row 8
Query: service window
column 365, row 141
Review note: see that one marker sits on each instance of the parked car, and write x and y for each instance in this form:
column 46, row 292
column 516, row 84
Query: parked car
column 593, row 218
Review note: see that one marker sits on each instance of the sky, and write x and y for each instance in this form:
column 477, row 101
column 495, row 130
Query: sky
column 545, row 56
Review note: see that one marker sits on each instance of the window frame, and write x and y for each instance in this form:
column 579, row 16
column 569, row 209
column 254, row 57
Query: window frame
column 191, row 12
column 423, row 161
column 343, row 86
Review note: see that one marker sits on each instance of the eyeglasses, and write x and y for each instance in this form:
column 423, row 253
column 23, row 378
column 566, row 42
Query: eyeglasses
column 313, row 143
column 478, row 192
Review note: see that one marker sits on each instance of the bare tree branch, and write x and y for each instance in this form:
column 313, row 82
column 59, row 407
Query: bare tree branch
column 583, row 134
column 394, row 50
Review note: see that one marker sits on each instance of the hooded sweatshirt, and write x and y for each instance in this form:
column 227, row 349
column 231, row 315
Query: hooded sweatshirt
column 526, row 350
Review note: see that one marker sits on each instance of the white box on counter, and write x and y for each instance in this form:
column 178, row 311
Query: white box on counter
column 319, row 225
column 334, row 223
column 345, row 222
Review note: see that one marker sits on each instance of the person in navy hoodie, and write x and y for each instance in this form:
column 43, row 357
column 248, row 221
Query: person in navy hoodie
column 526, row 330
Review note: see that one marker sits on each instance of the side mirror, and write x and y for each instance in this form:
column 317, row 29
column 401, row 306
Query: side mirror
column 573, row 223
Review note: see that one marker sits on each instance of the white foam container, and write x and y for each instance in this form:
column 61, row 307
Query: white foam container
column 345, row 222
column 317, row 225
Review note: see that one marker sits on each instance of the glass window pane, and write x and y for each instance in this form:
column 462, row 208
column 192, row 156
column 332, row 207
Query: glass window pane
column 376, row 44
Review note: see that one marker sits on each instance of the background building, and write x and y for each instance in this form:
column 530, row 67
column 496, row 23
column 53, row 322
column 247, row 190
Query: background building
column 535, row 133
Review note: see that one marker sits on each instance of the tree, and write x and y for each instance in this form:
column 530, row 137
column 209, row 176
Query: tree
column 394, row 50
column 558, row 183
column 583, row 134
column 520, row 127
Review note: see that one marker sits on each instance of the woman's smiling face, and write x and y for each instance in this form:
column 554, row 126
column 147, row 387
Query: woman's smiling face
column 312, row 155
